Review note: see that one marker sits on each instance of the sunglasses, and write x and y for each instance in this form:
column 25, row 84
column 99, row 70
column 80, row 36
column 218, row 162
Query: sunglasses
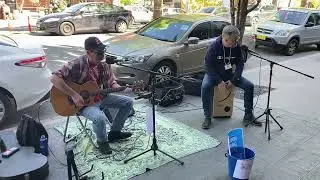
column 101, row 52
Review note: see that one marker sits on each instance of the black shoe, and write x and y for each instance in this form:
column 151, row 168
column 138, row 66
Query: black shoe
column 104, row 147
column 207, row 123
column 250, row 119
column 117, row 135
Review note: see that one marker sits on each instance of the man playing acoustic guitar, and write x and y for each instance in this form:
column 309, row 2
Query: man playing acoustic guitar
column 90, row 68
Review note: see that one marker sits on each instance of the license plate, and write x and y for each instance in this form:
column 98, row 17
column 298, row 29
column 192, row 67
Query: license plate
column 262, row 37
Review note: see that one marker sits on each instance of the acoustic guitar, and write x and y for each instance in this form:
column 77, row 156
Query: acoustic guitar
column 64, row 106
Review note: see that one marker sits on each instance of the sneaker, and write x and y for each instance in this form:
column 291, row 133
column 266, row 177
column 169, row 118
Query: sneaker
column 117, row 135
column 104, row 147
column 207, row 123
column 250, row 119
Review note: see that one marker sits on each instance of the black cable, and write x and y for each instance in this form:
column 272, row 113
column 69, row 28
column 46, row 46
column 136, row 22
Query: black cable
column 55, row 158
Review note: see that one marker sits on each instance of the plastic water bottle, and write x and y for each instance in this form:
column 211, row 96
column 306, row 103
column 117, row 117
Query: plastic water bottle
column 43, row 145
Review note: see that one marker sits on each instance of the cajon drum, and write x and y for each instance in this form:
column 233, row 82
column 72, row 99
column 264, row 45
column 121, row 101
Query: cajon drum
column 223, row 103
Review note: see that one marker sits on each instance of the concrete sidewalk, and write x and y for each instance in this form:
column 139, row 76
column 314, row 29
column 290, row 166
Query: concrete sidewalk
column 292, row 153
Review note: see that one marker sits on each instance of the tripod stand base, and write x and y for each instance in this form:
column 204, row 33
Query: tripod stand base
column 267, row 112
column 154, row 152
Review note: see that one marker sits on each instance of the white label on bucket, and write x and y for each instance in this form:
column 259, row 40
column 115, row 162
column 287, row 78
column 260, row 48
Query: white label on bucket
column 242, row 169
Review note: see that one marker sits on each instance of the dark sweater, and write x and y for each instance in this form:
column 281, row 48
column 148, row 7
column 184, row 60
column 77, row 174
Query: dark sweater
column 215, row 64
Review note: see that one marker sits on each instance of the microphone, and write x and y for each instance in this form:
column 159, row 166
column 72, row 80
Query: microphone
column 112, row 60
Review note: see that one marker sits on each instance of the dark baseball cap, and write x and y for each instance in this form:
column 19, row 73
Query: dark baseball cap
column 94, row 44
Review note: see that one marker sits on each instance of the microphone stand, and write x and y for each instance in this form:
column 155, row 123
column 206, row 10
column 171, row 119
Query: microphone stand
column 267, row 111
column 154, row 146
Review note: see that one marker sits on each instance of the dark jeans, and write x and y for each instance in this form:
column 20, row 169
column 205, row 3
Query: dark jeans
column 207, row 87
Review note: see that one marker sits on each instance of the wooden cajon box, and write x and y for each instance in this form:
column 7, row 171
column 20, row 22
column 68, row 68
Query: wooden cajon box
column 223, row 103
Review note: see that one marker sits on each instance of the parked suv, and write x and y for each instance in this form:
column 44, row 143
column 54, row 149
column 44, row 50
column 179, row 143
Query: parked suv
column 289, row 29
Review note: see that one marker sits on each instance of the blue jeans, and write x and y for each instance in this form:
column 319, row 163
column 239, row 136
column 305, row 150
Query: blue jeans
column 207, row 87
column 99, row 118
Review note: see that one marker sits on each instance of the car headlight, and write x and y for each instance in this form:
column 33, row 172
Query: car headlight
column 282, row 33
column 137, row 58
column 52, row 19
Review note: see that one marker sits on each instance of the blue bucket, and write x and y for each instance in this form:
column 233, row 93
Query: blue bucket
column 239, row 164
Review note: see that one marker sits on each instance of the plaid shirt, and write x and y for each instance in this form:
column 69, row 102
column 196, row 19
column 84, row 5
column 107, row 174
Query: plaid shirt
column 81, row 71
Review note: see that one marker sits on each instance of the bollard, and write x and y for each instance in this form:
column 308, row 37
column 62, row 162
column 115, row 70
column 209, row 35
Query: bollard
column 29, row 25
column 9, row 26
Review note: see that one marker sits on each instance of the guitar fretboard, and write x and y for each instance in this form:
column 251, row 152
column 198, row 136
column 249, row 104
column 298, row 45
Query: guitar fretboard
column 109, row 90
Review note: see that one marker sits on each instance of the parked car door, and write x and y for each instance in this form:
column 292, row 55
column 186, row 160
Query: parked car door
column 87, row 19
column 111, row 14
column 311, row 32
column 192, row 56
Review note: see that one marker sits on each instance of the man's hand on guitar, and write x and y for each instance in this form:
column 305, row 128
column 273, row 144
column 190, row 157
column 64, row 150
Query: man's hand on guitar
column 128, row 89
column 77, row 100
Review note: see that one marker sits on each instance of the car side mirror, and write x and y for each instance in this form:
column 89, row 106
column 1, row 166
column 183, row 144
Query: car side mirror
column 81, row 12
column 309, row 24
column 192, row 40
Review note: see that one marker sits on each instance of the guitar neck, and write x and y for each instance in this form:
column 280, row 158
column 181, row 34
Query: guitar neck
column 108, row 90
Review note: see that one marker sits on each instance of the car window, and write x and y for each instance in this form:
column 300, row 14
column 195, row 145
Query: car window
column 224, row 9
column 201, row 31
column 317, row 19
column 218, row 27
column 290, row 17
column 207, row 10
column 166, row 29
column 312, row 19
column 108, row 8
column 90, row 8
column 268, row 8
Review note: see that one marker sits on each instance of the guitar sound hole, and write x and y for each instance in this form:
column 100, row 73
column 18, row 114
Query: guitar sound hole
column 227, row 109
column 70, row 100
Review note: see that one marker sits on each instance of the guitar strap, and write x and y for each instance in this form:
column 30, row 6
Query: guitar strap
column 102, row 72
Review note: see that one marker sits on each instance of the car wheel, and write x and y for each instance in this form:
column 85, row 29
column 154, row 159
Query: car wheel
column 291, row 47
column 121, row 26
column 66, row 29
column 164, row 67
column 7, row 108
column 318, row 46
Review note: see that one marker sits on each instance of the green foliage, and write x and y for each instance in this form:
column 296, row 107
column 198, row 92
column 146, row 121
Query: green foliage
column 198, row 4
column 59, row 5
column 129, row 2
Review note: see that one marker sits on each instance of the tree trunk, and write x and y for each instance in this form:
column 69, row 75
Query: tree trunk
column 275, row 2
column 303, row 3
column 232, row 12
column 243, row 17
column 238, row 12
column 21, row 6
column 157, row 12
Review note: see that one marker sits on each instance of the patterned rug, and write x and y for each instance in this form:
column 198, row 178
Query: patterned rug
column 174, row 138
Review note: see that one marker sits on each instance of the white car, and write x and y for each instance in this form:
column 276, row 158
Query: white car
column 140, row 14
column 24, row 76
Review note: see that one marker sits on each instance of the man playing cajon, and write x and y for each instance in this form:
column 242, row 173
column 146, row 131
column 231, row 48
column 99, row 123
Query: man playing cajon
column 222, row 54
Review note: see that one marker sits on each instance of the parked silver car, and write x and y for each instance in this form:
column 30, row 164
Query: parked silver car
column 289, row 29
column 173, row 45
column 260, row 14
